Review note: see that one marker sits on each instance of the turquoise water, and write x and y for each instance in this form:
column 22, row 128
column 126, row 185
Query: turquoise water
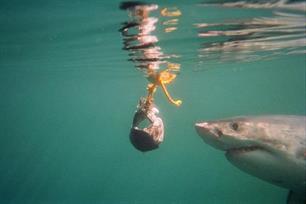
column 68, row 94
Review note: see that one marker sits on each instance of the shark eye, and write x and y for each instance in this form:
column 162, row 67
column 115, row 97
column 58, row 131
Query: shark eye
column 234, row 126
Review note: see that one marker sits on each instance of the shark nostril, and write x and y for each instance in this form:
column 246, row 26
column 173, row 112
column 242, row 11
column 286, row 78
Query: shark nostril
column 216, row 132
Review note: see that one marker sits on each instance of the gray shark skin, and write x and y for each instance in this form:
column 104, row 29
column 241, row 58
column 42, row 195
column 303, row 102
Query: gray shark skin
column 271, row 147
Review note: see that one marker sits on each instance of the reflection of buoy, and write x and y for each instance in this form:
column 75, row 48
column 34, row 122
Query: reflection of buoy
column 147, row 131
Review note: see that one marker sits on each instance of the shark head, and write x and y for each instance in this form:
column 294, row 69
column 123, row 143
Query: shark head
column 272, row 148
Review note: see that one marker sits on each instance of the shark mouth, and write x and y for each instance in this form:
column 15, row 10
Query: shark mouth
column 241, row 150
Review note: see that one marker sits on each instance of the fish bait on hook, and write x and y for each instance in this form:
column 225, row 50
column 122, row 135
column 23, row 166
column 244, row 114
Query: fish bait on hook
column 147, row 131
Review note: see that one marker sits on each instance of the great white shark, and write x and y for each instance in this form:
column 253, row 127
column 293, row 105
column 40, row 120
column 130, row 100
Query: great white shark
column 270, row 147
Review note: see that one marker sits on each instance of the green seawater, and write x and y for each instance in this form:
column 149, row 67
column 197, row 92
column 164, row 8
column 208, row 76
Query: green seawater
column 68, row 94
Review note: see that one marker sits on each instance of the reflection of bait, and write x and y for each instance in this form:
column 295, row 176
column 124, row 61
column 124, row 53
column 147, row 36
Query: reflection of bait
column 170, row 29
column 147, row 131
column 170, row 12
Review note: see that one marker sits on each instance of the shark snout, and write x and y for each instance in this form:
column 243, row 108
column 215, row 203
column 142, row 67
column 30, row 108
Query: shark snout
column 202, row 128
column 210, row 134
column 206, row 128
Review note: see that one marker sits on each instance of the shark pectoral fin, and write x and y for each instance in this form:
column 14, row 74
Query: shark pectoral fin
column 294, row 198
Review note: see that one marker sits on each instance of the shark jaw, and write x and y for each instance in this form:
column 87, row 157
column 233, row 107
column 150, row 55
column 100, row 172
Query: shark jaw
column 231, row 145
column 262, row 147
column 244, row 153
